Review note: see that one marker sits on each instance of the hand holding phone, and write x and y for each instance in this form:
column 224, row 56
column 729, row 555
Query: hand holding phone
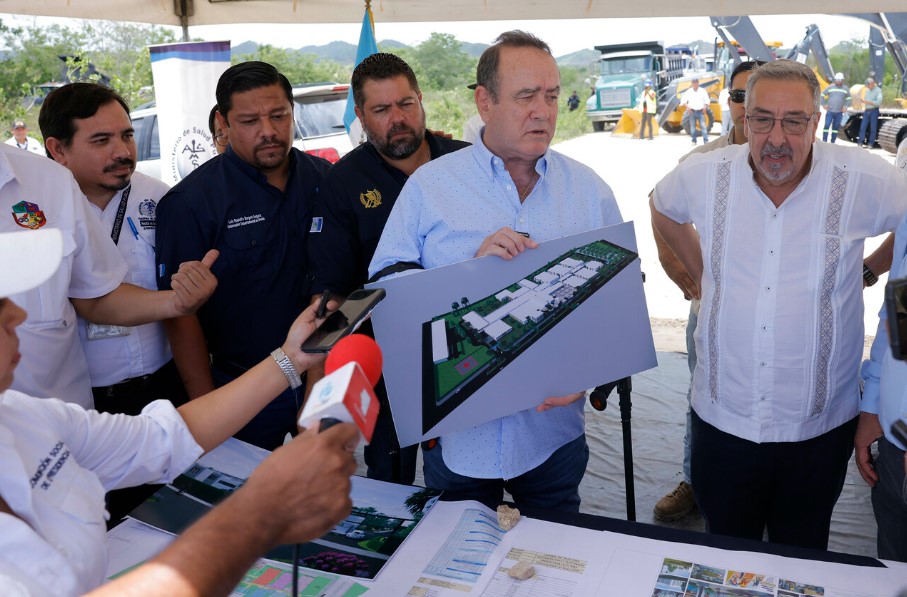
column 344, row 321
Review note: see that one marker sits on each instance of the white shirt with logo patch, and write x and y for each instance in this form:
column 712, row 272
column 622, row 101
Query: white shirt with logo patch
column 53, row 363
column 144, row 349
column 31, row 144
column 56, row 462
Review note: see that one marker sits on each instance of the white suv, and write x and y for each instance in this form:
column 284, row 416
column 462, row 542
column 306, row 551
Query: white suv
column 318, row 111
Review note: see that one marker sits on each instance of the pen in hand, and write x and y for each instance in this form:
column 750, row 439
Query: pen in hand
column 323, row 304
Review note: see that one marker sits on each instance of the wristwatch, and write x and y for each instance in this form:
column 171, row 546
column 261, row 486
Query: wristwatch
column 868, row 277
column 283, row 361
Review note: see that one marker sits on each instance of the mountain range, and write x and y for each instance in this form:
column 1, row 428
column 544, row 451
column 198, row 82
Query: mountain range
column 345, row 52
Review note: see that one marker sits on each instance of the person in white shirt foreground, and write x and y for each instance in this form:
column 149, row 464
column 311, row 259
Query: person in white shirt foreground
column 57, row 459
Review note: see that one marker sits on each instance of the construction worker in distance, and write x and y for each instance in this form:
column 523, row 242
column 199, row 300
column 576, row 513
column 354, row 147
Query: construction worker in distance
column 835, row 99
column 696, row 100
column 647, row 106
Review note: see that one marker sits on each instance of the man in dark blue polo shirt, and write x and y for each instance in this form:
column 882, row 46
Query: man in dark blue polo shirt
column 254, row 203
column 354, row 202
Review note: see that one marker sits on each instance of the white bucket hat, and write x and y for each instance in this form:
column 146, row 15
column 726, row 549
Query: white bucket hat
column 28, row 258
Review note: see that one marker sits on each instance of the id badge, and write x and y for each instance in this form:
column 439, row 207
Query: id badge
column 99, row 332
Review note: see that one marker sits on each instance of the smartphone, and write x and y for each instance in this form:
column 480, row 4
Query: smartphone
column 344, row 321
column 896, row 308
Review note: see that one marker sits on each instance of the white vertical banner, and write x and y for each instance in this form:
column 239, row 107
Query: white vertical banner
column 185, row 78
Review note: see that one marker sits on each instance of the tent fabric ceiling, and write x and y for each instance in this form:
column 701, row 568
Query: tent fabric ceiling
column 218, row 12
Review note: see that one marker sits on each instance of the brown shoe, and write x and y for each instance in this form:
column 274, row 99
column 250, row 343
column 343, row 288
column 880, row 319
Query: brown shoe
column 676, row 504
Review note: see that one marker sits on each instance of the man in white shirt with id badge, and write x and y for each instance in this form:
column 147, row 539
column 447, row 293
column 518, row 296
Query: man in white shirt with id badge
column 88, row 130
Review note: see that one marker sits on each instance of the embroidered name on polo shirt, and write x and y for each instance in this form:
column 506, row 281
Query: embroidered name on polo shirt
column 48, row 471
column 244, row 221
column 370, row 199
column 28, row 215
column 146, row 214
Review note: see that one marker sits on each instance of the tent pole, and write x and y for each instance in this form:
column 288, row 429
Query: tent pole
column 182, row 9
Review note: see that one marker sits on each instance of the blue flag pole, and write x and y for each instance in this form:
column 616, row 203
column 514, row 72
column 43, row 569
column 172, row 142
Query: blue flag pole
column 367, row 47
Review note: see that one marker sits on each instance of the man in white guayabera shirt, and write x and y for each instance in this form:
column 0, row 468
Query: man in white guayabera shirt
column 778, row 258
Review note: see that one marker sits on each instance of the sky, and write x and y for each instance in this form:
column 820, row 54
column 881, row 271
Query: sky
column 564, row 36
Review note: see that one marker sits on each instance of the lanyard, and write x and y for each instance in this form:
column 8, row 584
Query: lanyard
column 121, row 213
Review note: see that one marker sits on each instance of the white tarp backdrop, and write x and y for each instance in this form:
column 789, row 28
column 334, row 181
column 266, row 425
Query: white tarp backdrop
column 217, row 12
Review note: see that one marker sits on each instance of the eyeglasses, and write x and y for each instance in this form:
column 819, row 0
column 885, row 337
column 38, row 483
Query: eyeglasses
column 792, row 125
column 221, row 139
column 737, row 95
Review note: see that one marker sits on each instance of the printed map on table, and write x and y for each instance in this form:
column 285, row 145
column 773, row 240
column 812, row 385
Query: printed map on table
column 382, row 517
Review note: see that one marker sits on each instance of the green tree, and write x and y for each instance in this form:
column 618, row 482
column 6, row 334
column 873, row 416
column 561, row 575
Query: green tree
column 32, row 56
column 299, row 68
column 852, row 59
column 416, row 502
column 440, row 63
column 120, row 51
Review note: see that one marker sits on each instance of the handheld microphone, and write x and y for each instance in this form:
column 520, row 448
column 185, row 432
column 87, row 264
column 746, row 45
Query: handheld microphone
column 346, row 393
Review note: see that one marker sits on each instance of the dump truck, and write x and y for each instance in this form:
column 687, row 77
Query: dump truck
column 620, row 75
column 739, row 41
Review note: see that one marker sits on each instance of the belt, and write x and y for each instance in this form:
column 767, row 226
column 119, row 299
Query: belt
column 134, row 384
column 227, row 366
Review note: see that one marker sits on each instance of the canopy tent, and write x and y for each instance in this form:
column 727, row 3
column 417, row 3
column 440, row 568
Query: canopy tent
column 218, row 12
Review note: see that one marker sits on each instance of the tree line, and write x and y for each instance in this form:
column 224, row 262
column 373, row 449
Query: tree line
column 119, row 50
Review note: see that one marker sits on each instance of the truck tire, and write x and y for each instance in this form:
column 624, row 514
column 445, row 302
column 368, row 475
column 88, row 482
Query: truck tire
column 598, row 126
column 709, row 121
column 672, row 128
column 891, row 133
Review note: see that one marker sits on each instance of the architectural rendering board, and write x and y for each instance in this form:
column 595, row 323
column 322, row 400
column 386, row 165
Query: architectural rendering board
column 466, row 347
column 478, row 340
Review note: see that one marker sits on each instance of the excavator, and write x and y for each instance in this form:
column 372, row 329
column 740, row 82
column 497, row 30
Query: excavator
column 886, row 31
column 740, row 40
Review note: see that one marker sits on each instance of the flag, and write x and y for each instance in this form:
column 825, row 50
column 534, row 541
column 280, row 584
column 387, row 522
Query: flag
column 367, row 47
column 185, row 77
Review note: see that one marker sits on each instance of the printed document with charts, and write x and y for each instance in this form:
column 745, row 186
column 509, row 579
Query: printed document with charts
column 461, row 550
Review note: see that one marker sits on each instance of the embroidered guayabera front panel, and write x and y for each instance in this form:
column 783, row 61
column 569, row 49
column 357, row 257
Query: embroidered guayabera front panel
column 826, row 320
column 719, row 239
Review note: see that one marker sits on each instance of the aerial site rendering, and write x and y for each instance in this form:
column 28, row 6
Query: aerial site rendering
column 469, row 345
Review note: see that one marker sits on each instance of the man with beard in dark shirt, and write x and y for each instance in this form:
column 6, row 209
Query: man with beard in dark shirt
column 354, row 202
